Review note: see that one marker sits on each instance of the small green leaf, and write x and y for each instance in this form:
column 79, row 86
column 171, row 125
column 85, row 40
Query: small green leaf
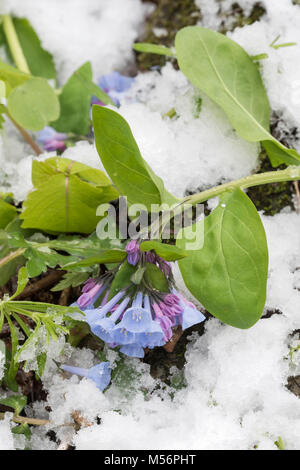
column 122, row 278
column 75, row 103
column 137, row 277
column 9, row 260
column 155, row 278
column 123, row 162
column 153, row 49
column 41, row 361
column 7, row 213
column 40, row 62
column 165, row 251
column 12, row 77
column 229, row 274
column 34, row 104
column 106, row 256
column 22, row 282
column 93, row 88
column 70, row 279
column 22, row 429
column 17, row 402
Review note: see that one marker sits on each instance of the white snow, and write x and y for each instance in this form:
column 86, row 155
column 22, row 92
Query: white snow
column 76, row 31
column 235, row 394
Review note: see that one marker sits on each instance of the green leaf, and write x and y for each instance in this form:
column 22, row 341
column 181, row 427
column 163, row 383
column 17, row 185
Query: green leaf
column 17, row 402
column 70, row 279
column 153, row 49
column 12, row 77
column 7, row 213
column 123, row 162
column 167, row 252
column 63, row 196
column 94, row 89
column 9, row 260
column 229, row 274
column 122, row 279
column 106, row 256
column 222, row 69
column 22, row 282
column 137, row 277
column 155, row 278
column 40, row 62
column 75, row 103
column 34, row 104
column 41, row 361
column 22, row 429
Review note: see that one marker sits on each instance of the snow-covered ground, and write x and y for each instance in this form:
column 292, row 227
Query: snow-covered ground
column 235, row 394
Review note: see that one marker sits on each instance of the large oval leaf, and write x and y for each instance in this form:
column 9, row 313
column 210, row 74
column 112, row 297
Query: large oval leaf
column 229, row 274
column 123, row 162
column 33, row 104
column 223, row 71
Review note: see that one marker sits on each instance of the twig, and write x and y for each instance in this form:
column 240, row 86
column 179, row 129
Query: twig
column 25, row 134
column 296, row 186
column 64, row 297
column 25, row 420
column 47, row 281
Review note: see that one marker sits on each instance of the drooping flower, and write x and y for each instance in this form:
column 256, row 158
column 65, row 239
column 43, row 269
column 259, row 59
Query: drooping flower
column 139, row 316
column 52, row 140
column 115, row 85
column 137, row 325
column 133, row 252
column 100, row 374
column 104, row 327
column 190, row 315
column 94, row 314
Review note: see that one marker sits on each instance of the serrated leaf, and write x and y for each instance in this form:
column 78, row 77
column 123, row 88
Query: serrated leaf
column 39, row 60
column 222, row 69
column 70, row 279
column 153, row 49
column 229, row 274
column 165, row 251
column 34, row 104
column 123, row 162
column 75, row 103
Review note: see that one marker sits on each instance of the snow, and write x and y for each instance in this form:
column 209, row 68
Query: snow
column 100, row 31
column 235, row 394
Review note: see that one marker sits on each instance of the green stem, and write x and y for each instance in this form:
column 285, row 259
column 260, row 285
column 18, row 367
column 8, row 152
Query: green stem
column 290, row 174
column 14, row 44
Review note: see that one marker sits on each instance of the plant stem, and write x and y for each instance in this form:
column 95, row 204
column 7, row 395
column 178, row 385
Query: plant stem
column 290, row 174
column 14, row 44
column 23, row 420
column 25, row 134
